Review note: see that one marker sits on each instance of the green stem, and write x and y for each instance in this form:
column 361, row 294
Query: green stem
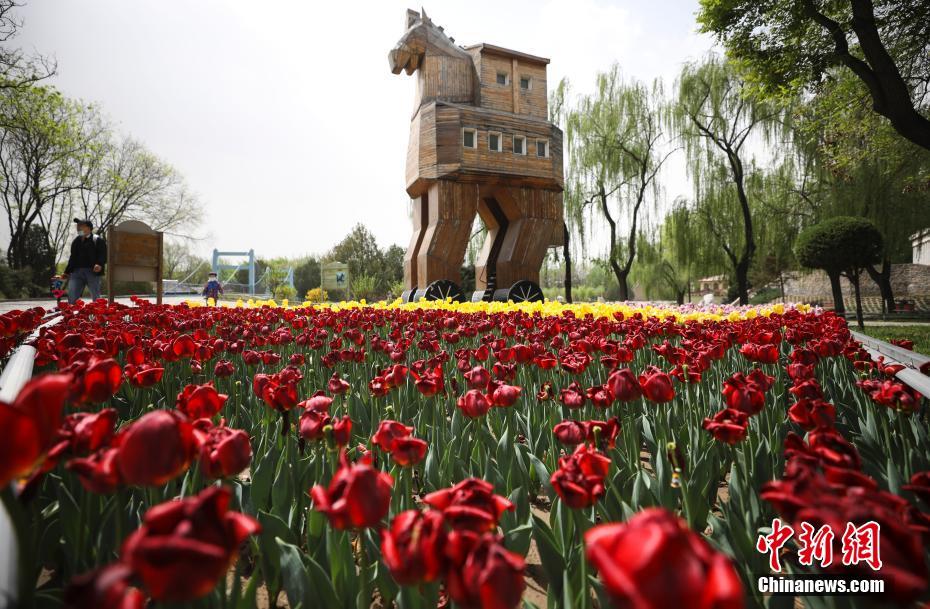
column 364, row 597
column 581, row 525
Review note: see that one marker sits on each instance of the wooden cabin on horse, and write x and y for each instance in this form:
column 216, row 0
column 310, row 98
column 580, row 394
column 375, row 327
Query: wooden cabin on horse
column 480, row 143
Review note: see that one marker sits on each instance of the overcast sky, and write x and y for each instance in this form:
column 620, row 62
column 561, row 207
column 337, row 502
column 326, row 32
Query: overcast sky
column 283, row 114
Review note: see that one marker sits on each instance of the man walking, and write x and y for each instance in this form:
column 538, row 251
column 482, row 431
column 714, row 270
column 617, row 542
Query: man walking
column 85, row 265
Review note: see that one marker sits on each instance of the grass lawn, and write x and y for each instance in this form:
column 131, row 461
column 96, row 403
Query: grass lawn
column 919, row 333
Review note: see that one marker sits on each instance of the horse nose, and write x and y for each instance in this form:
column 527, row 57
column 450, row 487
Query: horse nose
column 398, row 58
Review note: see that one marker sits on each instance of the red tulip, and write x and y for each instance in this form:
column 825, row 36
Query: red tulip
column 600, row 396
column 812, row 413
column 474, row 404
column 98, row 473
column 312, row 423
column 200, row 401
column 729, row 425
column 429, row 383
column 570, row 432
column 488, row 577
column 545, row 392
column 319, row 402
column 156, row 448
column 87, row 432
column 807, row 389
column 409, row 451
column 104, row 588
column 579, row 480
column 503, row 395
column 471, row 505
column 572, row 396
column 336, row 385
column 223, row 368
column 184, row 547
column 388, row 433
column 637, row 559
column 342, row 430
column 478, row 378
column 224, row 452
column 764, row 354
column 920, row 486
column 743, row 394
column 30, row 423
column 412, row 547
column 183, row 346
column 602, row 433
column 657, row 387
column 358, row 496
column 100, row 380
column 144, row 375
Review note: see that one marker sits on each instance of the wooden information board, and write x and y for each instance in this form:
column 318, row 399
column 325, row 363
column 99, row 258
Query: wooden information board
column 334, row 276
column 134, row 253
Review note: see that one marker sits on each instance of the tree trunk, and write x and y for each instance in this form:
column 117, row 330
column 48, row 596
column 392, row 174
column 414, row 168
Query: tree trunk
column 838, row 306
column 883, row 280
column 890, row 93
column 854, row 279
column 619, row 272
column 742, row 280
column 749, row 242
column 680, row 297
column 567, row 254
column 622, row 284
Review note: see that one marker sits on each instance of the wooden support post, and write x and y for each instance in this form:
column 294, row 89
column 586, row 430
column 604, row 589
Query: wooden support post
column 159, row 286
column 110, row 265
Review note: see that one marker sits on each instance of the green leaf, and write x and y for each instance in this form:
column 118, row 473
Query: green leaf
column 542, row 473
column 550, row 554
column 294, row 576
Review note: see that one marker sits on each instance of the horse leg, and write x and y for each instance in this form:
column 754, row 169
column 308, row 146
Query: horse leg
column 533, row 217
column 451, row 212
column 420, row 216
column 496, row 222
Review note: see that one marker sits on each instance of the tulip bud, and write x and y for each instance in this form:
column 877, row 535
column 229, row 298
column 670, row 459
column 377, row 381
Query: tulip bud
column 675, row 458
column 330, row 441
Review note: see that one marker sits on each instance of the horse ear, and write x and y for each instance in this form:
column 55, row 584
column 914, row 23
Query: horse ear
column 423, row 14
column 412, row 17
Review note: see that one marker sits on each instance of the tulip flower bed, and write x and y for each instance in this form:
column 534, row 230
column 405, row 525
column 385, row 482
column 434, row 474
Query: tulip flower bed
column 453, row 455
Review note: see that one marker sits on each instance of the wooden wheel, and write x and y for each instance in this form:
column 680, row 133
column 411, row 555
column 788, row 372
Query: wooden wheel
column 408, row 296
column 522, row 291
column 442, row 289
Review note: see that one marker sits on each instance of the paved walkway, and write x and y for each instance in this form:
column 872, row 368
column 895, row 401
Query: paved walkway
column 10, row 305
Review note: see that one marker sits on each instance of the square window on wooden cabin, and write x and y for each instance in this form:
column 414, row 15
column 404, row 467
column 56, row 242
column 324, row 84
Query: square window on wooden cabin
column 494, row 141
column 525, row 83
column 502, row 78
column 469, row 138
column 542, row 148
column 519, row 144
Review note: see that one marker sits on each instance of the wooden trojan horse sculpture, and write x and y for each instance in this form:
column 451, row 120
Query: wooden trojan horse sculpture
column 480, row 143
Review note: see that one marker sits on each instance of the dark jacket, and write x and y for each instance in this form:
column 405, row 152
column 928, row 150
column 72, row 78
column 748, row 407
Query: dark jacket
column 86, row 252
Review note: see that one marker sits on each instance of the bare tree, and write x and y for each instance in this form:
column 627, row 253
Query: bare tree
column 40, row 136
column 16, row 68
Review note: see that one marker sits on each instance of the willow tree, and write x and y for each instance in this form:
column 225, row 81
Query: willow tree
column 42, row 133
column 867, row 171
column 667, row 263
column 617, row 146
column 557, row 115
column 720, row 121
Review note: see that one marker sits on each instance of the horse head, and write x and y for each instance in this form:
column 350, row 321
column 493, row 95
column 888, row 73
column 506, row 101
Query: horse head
column 421, row 37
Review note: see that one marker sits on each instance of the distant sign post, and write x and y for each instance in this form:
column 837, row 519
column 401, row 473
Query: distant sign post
column 134, row 252
column 335, row 276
